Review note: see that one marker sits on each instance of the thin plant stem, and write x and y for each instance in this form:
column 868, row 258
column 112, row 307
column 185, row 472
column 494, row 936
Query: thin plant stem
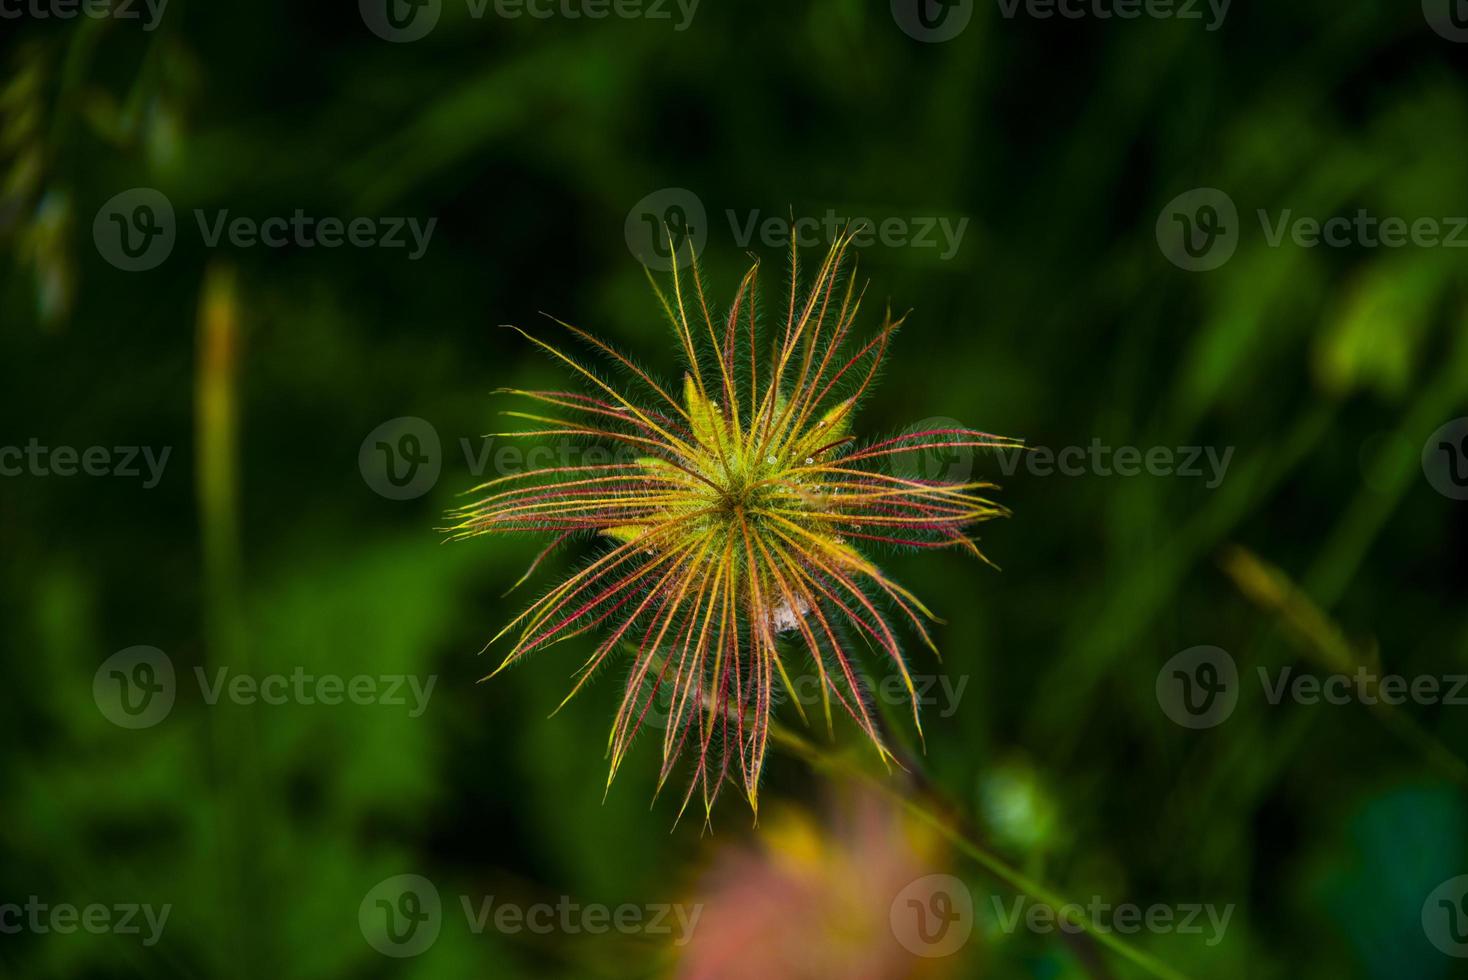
column 235, row 753
column 819, row 758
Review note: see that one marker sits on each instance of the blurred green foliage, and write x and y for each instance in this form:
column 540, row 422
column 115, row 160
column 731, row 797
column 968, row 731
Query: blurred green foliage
column 1058, row 320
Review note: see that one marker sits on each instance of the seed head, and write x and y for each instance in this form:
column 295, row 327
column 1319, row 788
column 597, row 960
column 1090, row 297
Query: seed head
column 735, row 524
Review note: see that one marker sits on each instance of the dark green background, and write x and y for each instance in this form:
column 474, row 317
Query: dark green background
column 1059, row 321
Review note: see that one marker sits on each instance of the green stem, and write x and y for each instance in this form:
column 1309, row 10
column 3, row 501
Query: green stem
column 995, row 865
column 234, row 740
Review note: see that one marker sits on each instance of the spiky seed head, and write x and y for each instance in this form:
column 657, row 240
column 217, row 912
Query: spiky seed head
column 735, row 524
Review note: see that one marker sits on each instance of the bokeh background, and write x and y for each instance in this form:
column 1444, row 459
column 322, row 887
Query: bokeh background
column 269, row 545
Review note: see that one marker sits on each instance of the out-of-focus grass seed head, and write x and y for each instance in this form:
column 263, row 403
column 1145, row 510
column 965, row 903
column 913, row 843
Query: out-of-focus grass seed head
column 736, row 526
